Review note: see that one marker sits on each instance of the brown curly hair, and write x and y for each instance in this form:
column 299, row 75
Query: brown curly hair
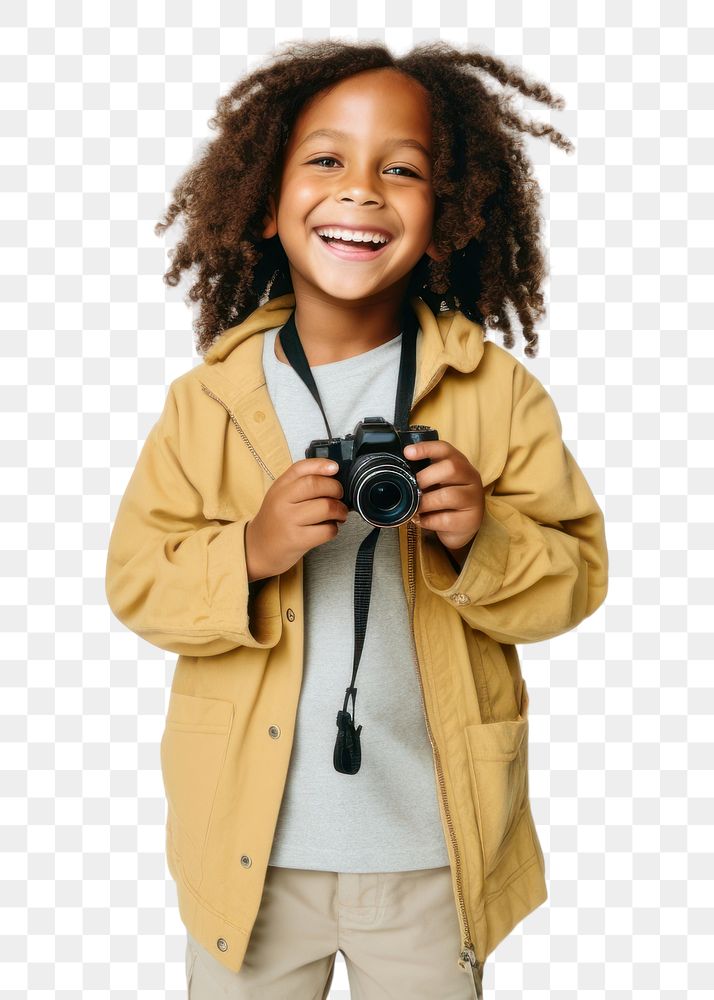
column 486, row 216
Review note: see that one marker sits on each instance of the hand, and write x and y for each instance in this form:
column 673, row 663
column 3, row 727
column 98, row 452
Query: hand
column 454, row 508
column 301, row 509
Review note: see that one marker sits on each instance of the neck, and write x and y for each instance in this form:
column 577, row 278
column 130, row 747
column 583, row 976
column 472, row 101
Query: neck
column 334, row 331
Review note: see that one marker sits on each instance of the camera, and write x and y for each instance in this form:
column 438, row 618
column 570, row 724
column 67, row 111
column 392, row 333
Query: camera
column 377, row 480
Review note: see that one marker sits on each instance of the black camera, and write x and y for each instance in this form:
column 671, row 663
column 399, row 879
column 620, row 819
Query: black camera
column 377, row 480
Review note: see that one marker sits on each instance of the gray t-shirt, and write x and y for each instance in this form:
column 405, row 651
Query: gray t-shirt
column 386, row 816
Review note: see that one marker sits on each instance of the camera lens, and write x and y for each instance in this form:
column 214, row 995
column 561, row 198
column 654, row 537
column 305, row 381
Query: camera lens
column 383, row 489
column 385, row 496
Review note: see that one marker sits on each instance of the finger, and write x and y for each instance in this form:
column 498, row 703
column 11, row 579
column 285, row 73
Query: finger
column 300, row 472
column 448, row 498
column 315, row 486
column 315, row 511
column 450, row 521
column 445, row 472
column 429, row 449
column 314, row 467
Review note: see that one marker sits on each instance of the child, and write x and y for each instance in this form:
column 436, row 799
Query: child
column 234, row 550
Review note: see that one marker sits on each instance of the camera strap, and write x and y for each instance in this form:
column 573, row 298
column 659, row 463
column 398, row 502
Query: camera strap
column 347, row 756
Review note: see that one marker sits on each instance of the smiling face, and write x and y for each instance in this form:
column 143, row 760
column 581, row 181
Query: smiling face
column 374, row 176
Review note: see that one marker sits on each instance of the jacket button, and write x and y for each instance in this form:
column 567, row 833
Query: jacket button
column 274, row 732
column 246, row 861
column 259, row 416
column 222, row 944
column 460, row 598
column 290, row 615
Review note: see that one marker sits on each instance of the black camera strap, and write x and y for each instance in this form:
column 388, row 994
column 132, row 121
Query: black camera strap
column 347, row 756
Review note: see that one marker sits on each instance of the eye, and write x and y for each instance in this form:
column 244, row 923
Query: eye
column 412, row 173
column 321, row 159
column 331, row 159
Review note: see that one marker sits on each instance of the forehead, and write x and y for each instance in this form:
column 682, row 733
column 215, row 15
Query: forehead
column 369, row 102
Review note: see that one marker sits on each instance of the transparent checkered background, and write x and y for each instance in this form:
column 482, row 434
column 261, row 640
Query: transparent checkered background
column 103, row 107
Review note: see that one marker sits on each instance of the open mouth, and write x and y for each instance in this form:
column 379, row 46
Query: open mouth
column 353, row 250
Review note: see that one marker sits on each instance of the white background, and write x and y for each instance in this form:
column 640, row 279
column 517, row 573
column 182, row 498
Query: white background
column 103, row 106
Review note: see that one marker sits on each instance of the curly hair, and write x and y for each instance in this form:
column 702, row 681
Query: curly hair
column 486, row 215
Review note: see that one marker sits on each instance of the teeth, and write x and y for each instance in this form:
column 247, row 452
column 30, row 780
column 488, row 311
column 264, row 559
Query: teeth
column 351, row 236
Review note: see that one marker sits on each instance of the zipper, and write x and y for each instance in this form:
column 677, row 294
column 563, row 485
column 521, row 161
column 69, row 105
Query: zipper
column 467, row 953
column 240, row 430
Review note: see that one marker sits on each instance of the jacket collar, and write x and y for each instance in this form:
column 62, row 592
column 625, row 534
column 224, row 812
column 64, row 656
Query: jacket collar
column 233, row 366
column 449, row 339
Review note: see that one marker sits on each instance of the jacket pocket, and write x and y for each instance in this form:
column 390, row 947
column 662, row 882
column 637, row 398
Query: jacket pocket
column 498, row 759
column 193, row 749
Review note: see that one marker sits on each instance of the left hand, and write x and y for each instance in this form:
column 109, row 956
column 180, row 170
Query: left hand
column 454, row 510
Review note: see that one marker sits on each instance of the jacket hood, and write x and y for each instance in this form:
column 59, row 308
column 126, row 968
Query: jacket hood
column 449, row 339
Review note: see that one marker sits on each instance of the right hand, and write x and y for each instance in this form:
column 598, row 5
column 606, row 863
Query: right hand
column 301, row 510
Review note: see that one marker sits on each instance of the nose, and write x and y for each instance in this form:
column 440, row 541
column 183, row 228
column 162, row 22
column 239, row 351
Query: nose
column 360, row 196
column 360, row 186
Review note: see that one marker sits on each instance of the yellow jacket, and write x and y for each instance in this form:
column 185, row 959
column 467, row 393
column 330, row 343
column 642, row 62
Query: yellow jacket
column 176, row 576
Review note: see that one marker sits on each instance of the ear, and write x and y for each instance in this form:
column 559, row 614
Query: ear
column 270, row 219
column 432, row 252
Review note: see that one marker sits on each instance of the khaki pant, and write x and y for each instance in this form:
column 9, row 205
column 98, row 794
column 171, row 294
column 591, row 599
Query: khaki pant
column 398, row 932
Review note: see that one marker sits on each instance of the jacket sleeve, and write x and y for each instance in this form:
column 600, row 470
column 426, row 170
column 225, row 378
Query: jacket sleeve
column 174, row 578
column 538, row 565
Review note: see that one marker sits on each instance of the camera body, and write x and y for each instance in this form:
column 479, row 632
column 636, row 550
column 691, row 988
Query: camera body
column 377, row 480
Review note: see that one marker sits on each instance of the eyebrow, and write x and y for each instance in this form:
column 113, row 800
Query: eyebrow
column 335, row 133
